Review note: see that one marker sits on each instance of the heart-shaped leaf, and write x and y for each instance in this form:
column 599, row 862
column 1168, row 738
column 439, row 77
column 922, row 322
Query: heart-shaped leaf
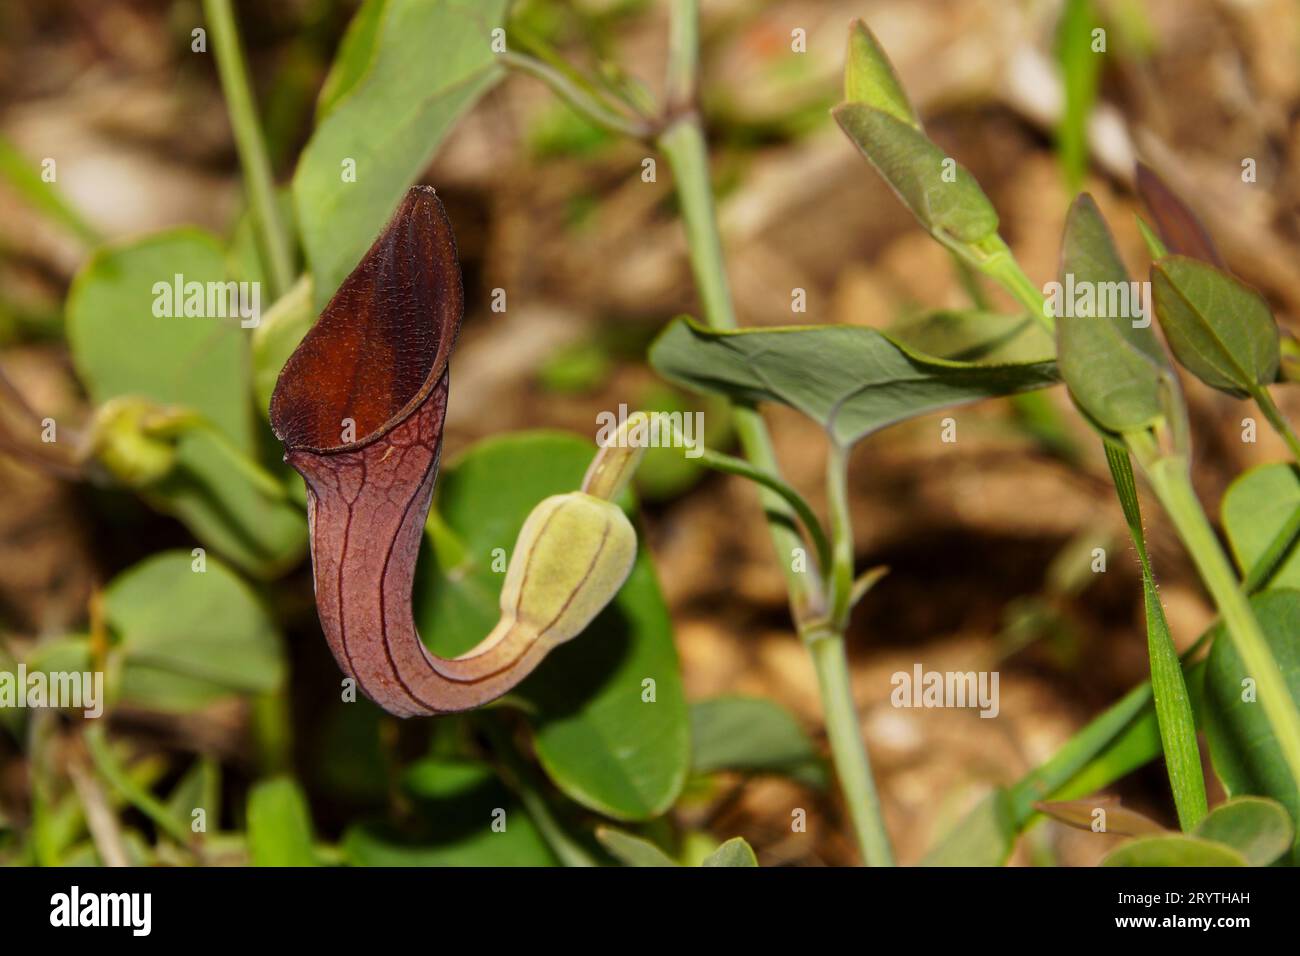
column 943, row 196
column 607, row 709
column 1220, row 329
column 1115, row 369
column 1257, row 828
column 755, row 735
column 122, row 348
column 850, row 379
column 1173, row 850
column 1242, row 745
column 407, row 73
column 1256, row 505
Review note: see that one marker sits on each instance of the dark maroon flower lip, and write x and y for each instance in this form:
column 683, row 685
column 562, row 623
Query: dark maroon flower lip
column 383, row 342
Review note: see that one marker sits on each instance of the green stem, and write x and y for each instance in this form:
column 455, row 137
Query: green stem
column 848, row 749
column 586, row 105
column 683, row 54
column 683, row 144
column 996, row 260
column 1171, row 480
column 1275, row 418
column 277, row 254
column 841, row 570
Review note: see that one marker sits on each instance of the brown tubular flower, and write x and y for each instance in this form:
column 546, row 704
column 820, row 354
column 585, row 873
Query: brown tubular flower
column 373, row 371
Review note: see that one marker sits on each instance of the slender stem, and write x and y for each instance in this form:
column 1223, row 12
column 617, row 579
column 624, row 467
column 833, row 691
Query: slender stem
column 682, row 141
column 1171, row 480
column 276, row 250
column 683, row 144
column 588, row 106
column 1275, row 418
column 841, row 570
column 848, row 749
column 996, row 260
column 683, row 54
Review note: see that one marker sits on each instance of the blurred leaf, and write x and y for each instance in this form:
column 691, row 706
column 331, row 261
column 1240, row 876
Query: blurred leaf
column 869, row 77
column 1255, row 506
column 21, row 174
column 595, row 737
column 199, row 788
column 1220, row 329
column 279, row 825
column 1173, row 850
column 1118, row 819
column 850, row 379
column 1180, row 230
column 633, row 850
column 952, row 208
column 120, row 348
column 1256, row 828
column 406, row 74
column 189, row 638
column 1116, row 373
column 277, row 335
column 752, row 734
column 984, row 837
column 735, row 852
column 1081, row 74
column 1244, row 750
column 457, row 803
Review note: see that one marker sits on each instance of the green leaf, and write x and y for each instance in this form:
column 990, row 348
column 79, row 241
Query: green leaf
column 457, row 804
column 279, row 825
column 355, row 57
column 1243, row 748
column 121, row 348
column 973, row 335
column 752, row 734
column 1256, row 505
column 918, row 171
column 408, row 71
column 189, row 638
column 1173, row 850
column 1169, row 691
column 850, row 379
column 869, row 77
column 633, row 850
column 199, row 789
column 735, row 852
column 1258, row 829
column 984, row 837
column 1219, row 328
column 595, row 736
column 1117, row 374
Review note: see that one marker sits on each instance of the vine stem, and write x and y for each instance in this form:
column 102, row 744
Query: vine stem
column 1275, row 418
column 273, row 238
column 1171, row 481
column 682, row 142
